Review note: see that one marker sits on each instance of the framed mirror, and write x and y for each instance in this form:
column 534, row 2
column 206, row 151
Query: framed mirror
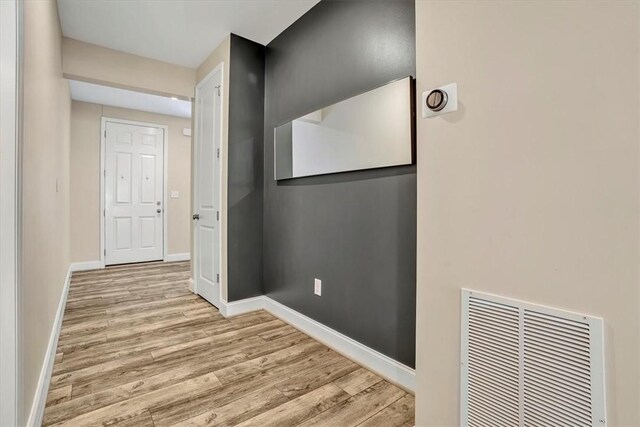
column 371, row 130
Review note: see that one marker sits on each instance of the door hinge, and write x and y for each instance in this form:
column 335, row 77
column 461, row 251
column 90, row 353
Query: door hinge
column 218, row 87
column 218, row 215
column 104, row 172
column 105, row 133
column 218, row 153
column 105, row 252
column 104, row 212
column 217, row 278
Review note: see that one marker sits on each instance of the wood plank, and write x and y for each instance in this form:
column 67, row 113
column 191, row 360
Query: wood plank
column 301, row 409
column 275, row 345
column 94, row 370
column 357, row 381
column 132, row 408
column 278, row 333
column 59, row 395
column 111, row 351
column 220, row 339
column 191, row 406
column 233, row 373
column 237, row 411
column 316, row 376
column 108, row 396
column 358, row 408
column 399, row 413
column 122, row 333
column 195, row 405
column 131, row 372
column 143, row 419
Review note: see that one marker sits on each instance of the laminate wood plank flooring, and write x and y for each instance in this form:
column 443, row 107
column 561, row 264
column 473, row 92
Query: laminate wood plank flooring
column 137, row 348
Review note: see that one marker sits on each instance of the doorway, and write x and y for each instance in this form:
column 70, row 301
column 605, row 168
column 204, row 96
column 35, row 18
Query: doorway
column 207, row 187
column 133, row 186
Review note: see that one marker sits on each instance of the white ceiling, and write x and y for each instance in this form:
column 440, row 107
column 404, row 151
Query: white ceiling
column 114, row 97
column 182, row 32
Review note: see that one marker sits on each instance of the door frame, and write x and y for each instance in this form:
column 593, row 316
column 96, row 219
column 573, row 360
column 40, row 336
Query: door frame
column 11, row 56
column 165, row 175
column 194, row 199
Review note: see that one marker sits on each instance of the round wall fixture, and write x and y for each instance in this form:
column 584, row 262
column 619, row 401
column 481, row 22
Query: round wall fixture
column 436, row 100
column 439, row 100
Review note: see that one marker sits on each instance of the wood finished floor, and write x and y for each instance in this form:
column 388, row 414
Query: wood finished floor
column 138, row 348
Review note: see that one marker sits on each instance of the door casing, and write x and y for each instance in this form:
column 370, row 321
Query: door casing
column 11, row 55
column 165, row 168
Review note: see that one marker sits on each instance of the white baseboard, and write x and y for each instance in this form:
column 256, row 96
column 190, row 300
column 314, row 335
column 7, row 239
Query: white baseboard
column 177, row 257
column 230, row 309
column 87, row 265
column 40, row 398
column 371, row 359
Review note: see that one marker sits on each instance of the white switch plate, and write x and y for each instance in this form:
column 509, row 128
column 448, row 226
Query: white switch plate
column 175, row 194
column 186, row 131
column 317, row 287
column 452, row 101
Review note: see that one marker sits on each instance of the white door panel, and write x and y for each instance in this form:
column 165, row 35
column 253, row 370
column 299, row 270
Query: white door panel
column 134, row 189
column 207, row 191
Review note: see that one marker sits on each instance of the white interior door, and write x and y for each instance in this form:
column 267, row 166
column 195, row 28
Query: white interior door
column 207, row 190
column 134, row 188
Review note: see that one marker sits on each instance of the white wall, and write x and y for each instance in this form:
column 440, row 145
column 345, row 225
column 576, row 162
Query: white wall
column 96, row 64
column 531, row 190
column 45, row 188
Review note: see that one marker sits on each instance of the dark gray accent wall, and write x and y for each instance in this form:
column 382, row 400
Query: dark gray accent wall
column 245, row 156
column 355, row 231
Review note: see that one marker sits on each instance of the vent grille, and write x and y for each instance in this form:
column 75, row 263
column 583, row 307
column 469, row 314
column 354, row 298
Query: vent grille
column 525, row 365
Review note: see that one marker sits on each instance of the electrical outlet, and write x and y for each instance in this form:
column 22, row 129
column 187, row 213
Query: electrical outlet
column 317, row 287
column 175, row 194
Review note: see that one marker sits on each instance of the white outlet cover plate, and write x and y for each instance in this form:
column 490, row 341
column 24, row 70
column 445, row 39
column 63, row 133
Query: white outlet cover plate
column 175, row 194
column 317, row 287
column 452, row 101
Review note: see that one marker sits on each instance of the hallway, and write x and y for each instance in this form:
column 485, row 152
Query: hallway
column 138, row 348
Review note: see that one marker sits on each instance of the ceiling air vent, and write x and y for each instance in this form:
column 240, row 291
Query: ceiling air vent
column 525, row 365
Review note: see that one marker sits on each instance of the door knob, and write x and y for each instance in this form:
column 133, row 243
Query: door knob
column 159, row 210
column 196, row 216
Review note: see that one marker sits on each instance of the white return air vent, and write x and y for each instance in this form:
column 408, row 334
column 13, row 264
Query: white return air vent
column 525, row 365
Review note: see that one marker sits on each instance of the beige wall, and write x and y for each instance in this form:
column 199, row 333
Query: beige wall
column 220, row 54
column 92, row 63
column 530, row 190
column 85, row 177
column 45, row 183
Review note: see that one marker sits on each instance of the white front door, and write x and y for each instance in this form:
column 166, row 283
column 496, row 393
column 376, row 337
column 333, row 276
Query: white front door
column 207, row 191
column 134, row 188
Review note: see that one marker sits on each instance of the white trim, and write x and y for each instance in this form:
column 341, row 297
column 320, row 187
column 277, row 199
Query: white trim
column 86, row 265
column 235, row 308
column 194, row 199
column 10, row 210
column 40, row 398
column 371, row 359
column 186, row 256
column 165, row 178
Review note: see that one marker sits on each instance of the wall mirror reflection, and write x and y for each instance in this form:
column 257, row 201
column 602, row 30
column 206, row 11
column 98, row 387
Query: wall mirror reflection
column 371, row 130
